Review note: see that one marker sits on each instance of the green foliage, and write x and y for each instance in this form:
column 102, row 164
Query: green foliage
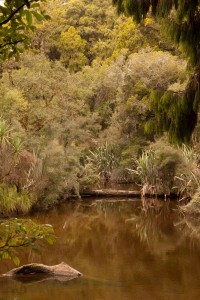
column 72, row 48
column 170, row 162
column 188, row 181
column 142, row 72
column 171, row 110
column 18, row 176
column 95, row 24
column 87, row 176
column 11, row 201
column 61, row 115
column 181, row 20
column 146, row 168
column 104, row 159
column 57, row 126
column 85, row 80
column 189, row 154
column 4, row 133
column 12, row 102
column 165, row 69
column 53, row 177
column 94, row 21
column 17, row 234
column 16, row 20
column 129, row 37
column 157, row 167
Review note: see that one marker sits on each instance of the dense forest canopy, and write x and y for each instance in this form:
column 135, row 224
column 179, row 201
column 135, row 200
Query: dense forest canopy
column 81, row 31
column 181, row 20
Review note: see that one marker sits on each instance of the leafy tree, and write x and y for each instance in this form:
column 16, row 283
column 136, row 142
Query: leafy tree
column 129, row 37
column 181, row 20
column 16, row 20
column 54, row 120
column 83, row 81
column 141, row 73
column 94, row 22
column 72, row 48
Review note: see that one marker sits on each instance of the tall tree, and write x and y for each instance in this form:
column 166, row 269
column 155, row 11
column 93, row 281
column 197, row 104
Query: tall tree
column 72, row 48
column 175, row 112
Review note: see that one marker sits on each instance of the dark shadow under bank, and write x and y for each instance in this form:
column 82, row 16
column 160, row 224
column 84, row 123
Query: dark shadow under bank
column 111, row 193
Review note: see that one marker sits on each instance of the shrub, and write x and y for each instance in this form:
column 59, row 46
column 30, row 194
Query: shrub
column 13, row 202
column 104, row 159
column 158, row 167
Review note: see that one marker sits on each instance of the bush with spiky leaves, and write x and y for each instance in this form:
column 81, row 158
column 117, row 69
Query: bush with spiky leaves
column 105, row 158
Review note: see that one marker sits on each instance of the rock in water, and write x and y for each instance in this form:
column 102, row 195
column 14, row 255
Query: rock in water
column 61, row 272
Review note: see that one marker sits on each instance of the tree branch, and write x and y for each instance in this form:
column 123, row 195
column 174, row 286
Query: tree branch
column 15, row 12
column 12, row 14
column 11, row 43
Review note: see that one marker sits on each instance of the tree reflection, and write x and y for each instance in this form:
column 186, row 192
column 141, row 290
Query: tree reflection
column 144, row 250
column 109, row 228
column 189, row 226
column 154, row 226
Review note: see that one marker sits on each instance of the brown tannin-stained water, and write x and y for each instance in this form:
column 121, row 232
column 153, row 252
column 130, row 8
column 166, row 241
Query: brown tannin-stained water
column 124, row 252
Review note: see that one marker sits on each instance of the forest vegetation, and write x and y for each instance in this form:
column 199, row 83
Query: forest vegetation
column 90, row 100
column 88, row 97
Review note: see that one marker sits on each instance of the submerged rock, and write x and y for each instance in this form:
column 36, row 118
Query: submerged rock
column 61, row 272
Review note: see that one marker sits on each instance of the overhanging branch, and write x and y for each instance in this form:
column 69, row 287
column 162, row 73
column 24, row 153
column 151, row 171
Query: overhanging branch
column 15, row 12
column 11, row 43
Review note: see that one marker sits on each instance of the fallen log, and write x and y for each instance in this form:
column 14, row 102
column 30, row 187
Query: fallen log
column 111, row 193
column 124, row 193
column 34, row 272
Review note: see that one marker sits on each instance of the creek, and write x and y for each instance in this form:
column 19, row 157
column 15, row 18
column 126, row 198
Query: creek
column 125, row 251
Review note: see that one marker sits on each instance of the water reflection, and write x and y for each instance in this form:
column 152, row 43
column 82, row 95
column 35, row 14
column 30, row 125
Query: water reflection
column 190, row 230
column 154, row 226
column 33, row 278
column 125, row 251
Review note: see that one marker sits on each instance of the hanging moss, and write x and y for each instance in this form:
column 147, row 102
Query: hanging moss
column 175, row 113
column 182, row 20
